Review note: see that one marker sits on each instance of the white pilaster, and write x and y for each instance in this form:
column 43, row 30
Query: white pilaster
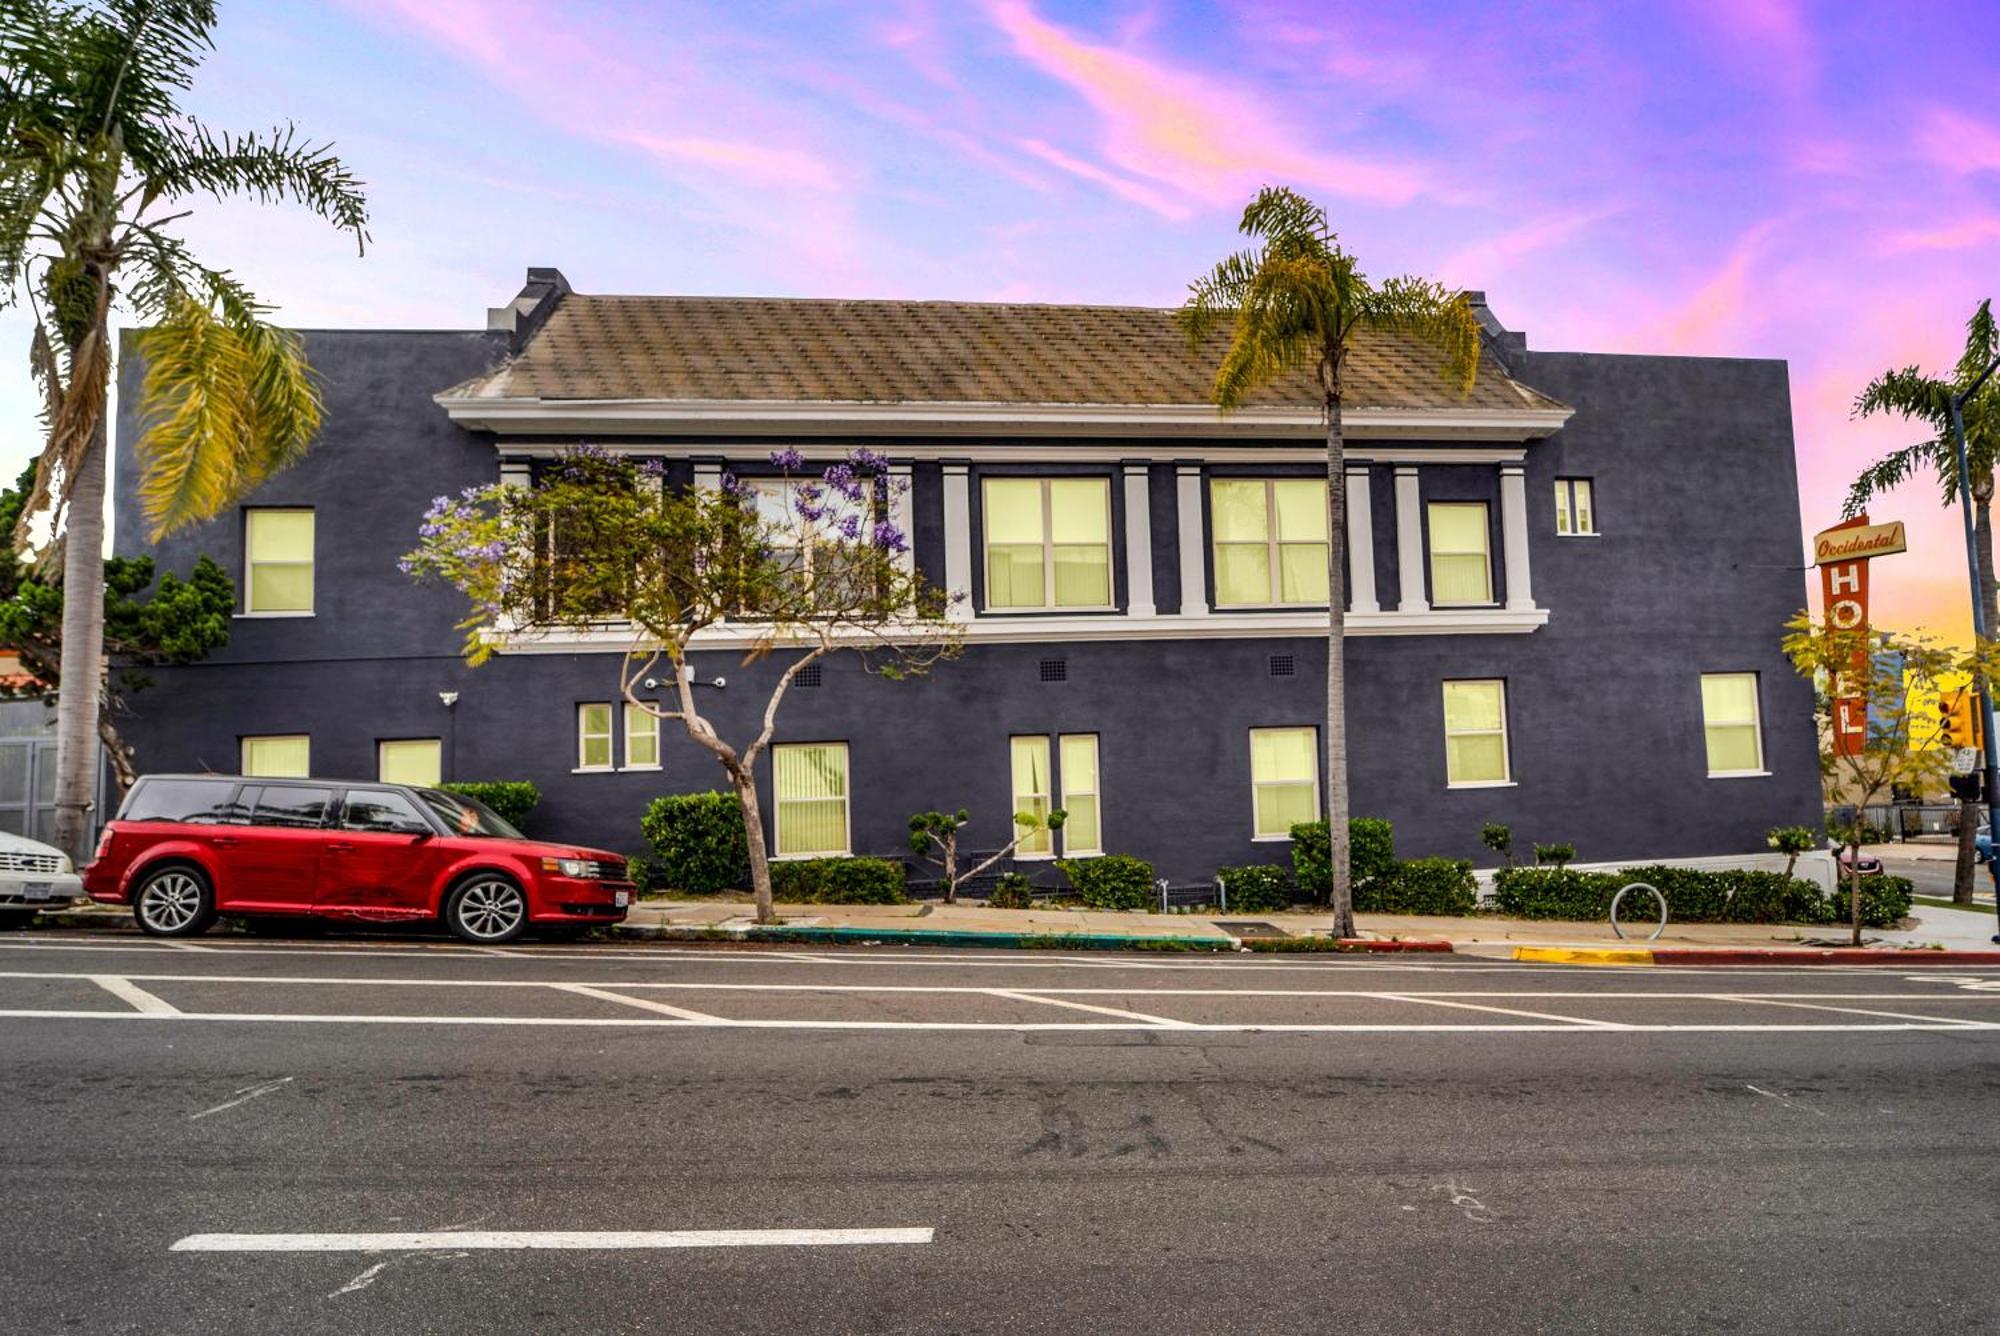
column 1410, row 542
column 708, row 477
column 516, row 473
column 1360, row 544
column 1138, row 542
column 958, row 539
column 1193, row 543
column 1514, row 536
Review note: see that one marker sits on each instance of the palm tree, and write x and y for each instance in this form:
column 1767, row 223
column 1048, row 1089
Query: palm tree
column 1912, row 394
column 1291, row 303
column 97, row 162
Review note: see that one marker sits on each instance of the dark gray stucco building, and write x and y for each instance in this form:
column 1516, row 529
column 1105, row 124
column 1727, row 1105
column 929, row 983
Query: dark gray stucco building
column 1566, row 586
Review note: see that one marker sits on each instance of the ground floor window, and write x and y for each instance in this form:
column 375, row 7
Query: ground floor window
column 418, row 761
column 593, row 736
column 1729, row 719
column 810, row 781
column 1033, row 786
column 642, row 738
column 278, row 755
column 1083, row 829
column 1284, row 778
column 1475, row 733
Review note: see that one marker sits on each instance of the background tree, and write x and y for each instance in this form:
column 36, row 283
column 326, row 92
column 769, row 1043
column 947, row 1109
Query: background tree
column 934, row 838
column 97, row 162
column 1294, row 303
column 180, row 623
column 1791, row 841
column 808, row 565
column 1910, row 393
column 1891, row 674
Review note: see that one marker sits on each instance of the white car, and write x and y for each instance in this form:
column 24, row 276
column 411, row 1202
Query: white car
column 33, row 877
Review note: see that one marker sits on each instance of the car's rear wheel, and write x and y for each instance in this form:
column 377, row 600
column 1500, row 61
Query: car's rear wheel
column 487, row 908
column 174, row 901
column 12, row 919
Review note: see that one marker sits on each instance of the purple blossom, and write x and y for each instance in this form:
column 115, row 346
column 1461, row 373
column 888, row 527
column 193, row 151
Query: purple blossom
column 889, row 538
column 850, row 527
column 867, row 461
column 791, row 461
column 736, row 487
column 406, row 566
column 654, row 468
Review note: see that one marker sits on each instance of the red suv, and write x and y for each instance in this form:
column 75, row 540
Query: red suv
column 185, row 848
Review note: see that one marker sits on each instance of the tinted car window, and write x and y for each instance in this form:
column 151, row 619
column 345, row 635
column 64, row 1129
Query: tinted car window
column 203, row 801
column 468, row 816
column 382, row 811
column 291, row 805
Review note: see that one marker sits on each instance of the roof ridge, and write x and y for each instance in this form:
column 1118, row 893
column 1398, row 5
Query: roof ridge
column 869, row 301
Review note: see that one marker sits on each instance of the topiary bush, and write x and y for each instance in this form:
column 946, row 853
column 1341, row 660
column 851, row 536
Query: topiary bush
column 838, row 881
column 1694, row 895
column 1114, row 881
column 1257, row 889
column 697, row 841
column 1420, row 886
column 1885, row 901
column 512, row 799
column 1371, row 851
column 1012, row 891
column 1554, row 892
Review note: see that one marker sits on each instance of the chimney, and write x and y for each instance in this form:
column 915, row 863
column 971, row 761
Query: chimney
column 520, row 318
column 1506, row 345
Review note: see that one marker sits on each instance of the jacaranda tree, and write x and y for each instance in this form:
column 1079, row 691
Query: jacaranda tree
column 97, row 164
column 1294, row 302
column 798, row 565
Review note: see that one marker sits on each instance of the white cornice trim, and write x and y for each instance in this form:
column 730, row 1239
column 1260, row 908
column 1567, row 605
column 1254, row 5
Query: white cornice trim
column 748, row 417
column 1010, row 452
column 1110, row 626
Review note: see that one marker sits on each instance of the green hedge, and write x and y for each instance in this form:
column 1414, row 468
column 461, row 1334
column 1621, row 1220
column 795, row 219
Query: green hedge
column 1011, row 892
column 1371, row 852
column 697, row 842
column 1115, row 881
column 513, row 799
column 838, row 881
column 1694, row 895
column 1420, row 886
column 1258, row 888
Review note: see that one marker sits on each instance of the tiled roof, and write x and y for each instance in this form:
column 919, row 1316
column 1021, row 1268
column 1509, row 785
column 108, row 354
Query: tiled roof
column 761, row 349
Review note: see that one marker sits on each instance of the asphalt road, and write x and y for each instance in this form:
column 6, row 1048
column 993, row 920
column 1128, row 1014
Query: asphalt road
column 1090, row 1144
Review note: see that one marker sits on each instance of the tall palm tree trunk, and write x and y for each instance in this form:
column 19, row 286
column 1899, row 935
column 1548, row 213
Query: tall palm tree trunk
column 1336, row 668
column 1964, row 876
column 81, row 677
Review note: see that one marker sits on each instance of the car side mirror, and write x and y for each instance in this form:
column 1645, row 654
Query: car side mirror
column 425, row 834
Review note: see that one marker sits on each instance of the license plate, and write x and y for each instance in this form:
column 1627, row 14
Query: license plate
column 620, row 899
column 38, row 890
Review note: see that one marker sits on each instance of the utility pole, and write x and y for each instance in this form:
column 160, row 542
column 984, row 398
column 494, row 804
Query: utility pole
column 1980, row 630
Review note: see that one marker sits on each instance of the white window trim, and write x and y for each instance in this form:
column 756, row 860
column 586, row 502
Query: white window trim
column 626, row 715
column 250, row 567
column 244, row 740
column 1756, row 727
column 1013, row 798
column 1255, row 784
column 1273, row 545
column 610, row 738
column 380, row 743
column 1049, row 546
column 846, row 849
column 1431, row 554
column 1096, row 794
column 1507, row 781
column 1566, row 508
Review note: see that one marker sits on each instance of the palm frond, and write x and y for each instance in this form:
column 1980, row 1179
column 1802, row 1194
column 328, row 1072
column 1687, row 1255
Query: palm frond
column 278, row 167
column 194, row 414
column 1908, row 393
column 1437, row 316
column 1895, row 469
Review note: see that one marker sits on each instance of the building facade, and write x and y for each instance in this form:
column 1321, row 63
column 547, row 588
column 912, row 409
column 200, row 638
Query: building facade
column 1566, row 586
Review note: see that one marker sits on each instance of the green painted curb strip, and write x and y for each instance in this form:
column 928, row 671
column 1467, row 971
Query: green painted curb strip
column 1092, row 941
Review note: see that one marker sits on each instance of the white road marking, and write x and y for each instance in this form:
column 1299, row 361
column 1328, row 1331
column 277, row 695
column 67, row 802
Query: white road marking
column 126, row 991
column 1467, row 1203
column 643, row 1003
column 1435, row 1001
column 1790, row 1104
column 453, row 1240
column 362, row 1281
column 1858, row 1011
column 244, row 1096
column 1165, row 1023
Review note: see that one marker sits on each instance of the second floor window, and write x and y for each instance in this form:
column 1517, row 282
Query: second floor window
column 1461, row 558
column 593, row 736
column 278, row 561
column 1270, row 540
column 1048, row 542
column 1574, row 512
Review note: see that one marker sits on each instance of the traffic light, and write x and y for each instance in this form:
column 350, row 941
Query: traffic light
column 1958, row 718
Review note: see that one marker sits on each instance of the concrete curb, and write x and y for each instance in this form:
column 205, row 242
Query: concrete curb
column 1751, row 955
column 1006, row 941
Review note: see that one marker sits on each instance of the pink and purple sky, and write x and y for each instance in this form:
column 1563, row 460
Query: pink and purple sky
column 1818, row 182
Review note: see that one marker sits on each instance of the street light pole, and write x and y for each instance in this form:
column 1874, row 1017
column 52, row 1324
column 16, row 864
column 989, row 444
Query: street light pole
column 1980, row 630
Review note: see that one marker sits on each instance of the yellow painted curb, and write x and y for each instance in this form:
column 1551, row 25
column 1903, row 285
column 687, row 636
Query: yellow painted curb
column 1583, row 955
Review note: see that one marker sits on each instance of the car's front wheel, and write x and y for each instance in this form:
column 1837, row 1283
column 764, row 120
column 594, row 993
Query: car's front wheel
column 487, row 908
column 174, row 902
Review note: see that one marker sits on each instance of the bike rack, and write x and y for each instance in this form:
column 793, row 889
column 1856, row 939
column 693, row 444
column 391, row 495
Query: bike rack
column 1619, row 899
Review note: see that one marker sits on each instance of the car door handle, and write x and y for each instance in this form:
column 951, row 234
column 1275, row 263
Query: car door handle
column 340, row 847
column 225, row 841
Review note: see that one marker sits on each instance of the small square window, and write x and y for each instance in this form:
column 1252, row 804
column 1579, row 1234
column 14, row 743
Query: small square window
column 278, row 562
column 1575, row 512
column 278, row 756
column 593, row 736
column 418, row 761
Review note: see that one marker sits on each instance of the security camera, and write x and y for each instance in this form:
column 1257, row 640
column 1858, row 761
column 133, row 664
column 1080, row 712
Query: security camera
column 448, row 698
column 651, row 684
column 720, row 682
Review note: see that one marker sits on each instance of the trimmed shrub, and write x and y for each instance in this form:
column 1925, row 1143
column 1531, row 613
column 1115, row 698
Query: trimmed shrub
column 1257, row 889
column 512, row 799
column 1371, row 851
column 1114, row 881
column 1554, row 855
column 697, row 841
column 1554, row 892
column 838, row 881
column 1884, row 901
column 1012, row 892
column 1420, row 886
column 1694, row 895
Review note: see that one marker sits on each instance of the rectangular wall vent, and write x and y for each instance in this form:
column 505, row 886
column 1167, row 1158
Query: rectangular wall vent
column 1283, row 665
column 1055, row 670
column 808, row 676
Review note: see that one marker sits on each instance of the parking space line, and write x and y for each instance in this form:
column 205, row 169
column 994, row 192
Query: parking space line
column 644, row 1004
column 454, row 1240
column 1164, row 1022
column 1857, row 1011
column 127, row 991
column 1432, row 1000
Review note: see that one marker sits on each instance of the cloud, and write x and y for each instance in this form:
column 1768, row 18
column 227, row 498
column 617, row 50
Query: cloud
column 753, row 164
column 1766, row 39
column 1719, row 313
column 1958, row 143
column 1980, row 230
column 1143, row 196
column 1473, row 266
column 1188, row 131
